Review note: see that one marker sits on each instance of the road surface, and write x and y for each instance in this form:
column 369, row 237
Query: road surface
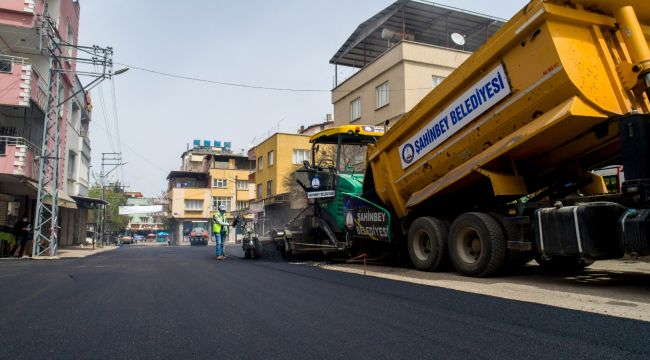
column 180, row 303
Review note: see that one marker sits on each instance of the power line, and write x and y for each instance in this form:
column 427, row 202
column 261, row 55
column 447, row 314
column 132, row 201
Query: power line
column 221, row 82
column 153, row 164
column 109, row 132
column 102, row 104
column 248, row 86
column 117, row 125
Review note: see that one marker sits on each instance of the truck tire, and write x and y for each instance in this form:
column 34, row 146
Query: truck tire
column 514, row 258
column 256, row 251
column 426, row 243
column 287, row 254
column 477, row 245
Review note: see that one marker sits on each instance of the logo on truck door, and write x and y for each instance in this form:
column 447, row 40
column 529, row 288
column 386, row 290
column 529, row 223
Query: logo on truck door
column 479, row 98
column 363, row 219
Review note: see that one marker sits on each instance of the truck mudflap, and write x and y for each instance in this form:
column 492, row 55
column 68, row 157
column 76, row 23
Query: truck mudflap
column 365, row 219
column 635, row 231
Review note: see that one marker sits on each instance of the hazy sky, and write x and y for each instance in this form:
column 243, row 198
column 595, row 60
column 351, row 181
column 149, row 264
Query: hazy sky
column 284, row 44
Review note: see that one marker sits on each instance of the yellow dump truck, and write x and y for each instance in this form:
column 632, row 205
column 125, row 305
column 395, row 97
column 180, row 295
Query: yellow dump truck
column 496, row 165
column 502, row 149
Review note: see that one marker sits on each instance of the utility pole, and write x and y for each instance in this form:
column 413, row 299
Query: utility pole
column 234, row 230
column 60, row 55
column 112, row 160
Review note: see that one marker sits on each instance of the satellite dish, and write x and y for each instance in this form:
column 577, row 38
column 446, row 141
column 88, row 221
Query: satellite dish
column 458, row 39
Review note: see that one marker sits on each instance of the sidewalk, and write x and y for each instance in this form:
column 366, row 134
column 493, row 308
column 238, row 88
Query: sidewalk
column 77, row 252
column 609, row 287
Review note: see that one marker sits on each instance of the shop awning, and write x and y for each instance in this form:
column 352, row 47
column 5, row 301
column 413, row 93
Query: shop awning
column 18, row 185
column 64, row 200
column 88, row 202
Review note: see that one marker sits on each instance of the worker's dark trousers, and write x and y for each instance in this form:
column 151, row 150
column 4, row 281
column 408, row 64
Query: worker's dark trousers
column 220, row 238
column 22, row 241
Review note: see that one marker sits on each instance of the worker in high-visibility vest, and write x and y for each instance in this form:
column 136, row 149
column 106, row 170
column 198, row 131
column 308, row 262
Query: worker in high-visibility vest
column 220, row 230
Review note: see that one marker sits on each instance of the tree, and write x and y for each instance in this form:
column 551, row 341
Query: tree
column 113, row 194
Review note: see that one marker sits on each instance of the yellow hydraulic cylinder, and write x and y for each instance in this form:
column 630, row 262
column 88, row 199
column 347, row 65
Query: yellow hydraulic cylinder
column 633, row 37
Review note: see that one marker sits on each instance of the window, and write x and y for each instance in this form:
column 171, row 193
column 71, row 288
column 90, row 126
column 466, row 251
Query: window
column 436, row 81
column 193, row 205
column 259, row 191
column 299, row 156
column 383, row 95
column 242, row 205
column 70, row 40
column 355, row 109
column 5, row 65
column 75, row 116
column 270, row 158
column 220, row 165
column 72, row 165
column 269, row 188
column 242, row 185
column 220, row 183
column 221, row 200
column 260, row 162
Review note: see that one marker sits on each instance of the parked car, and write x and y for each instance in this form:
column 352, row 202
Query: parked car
column 199, row 236
column 138, row 238
column 126, row 238
column 90, row 235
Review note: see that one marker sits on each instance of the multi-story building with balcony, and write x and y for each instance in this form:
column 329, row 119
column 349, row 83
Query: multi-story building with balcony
column 276, row 159
column 145, row 223
column 189, row 205
column 24, row 69
column 77, row 146
column 210, row 175
column 229, row 182
column 392, row 60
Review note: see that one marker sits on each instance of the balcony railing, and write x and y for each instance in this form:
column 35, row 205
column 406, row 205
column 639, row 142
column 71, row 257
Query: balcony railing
column 15, row 77
column 13, row 141
column 21, row 6
column 18, row 156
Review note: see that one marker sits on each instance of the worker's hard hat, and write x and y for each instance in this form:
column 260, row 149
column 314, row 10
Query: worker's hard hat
column 222, row 207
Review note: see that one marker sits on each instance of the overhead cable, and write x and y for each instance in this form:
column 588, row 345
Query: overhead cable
column 248, row 86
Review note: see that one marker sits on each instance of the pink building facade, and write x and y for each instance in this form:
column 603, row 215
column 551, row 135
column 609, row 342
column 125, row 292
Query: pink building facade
column 24, row 69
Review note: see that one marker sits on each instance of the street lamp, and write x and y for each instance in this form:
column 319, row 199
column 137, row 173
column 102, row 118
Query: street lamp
column 121, row 71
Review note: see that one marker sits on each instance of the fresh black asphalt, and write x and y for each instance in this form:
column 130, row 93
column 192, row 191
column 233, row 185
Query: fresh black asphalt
column 181, row 303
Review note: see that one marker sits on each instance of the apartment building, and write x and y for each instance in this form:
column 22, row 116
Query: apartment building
column 210, row 175
column 312, row 129
column 145, row 223
column 24, row 67
column 276, row 158
column 189, row 197
column 392, row 60
column 230, row 185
